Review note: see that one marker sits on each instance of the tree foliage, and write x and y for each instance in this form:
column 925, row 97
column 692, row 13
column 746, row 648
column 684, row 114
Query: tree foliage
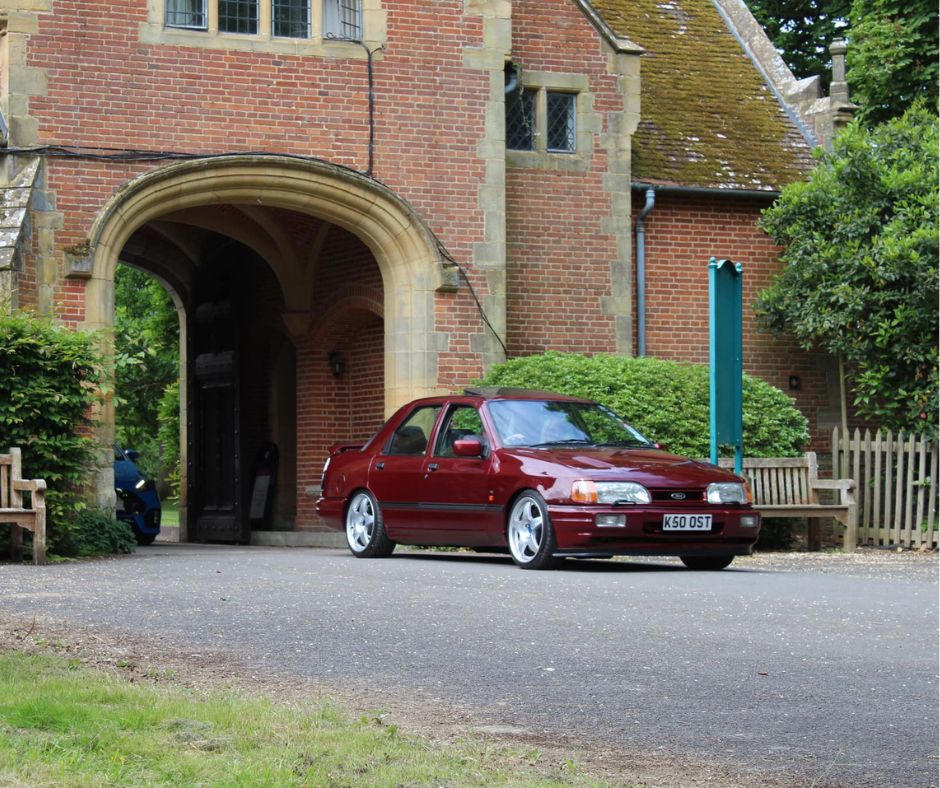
column 893, row 56
column 860, row 276
column 146, row 339
column 803, row 30
column 49, row 379
column 667, row 401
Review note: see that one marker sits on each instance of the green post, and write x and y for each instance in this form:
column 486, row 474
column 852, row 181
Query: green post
column 726, row 358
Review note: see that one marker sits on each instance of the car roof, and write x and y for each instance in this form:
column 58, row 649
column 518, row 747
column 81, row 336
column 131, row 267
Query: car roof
column 491, row 393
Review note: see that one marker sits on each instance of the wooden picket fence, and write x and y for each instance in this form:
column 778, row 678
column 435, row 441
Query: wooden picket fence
column 895, row 483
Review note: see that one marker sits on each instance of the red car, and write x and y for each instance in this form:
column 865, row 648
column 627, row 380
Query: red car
column 545, row 475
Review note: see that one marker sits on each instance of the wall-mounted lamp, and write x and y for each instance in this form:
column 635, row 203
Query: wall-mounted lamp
column 795, row 383
column 337, row 364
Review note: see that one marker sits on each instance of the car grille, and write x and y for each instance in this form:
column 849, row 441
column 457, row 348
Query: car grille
column 673, row 496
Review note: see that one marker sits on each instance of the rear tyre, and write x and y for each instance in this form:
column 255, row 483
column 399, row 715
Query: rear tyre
column 530, row 534
column 707, row 563
column 144, row 539
column 365, row 528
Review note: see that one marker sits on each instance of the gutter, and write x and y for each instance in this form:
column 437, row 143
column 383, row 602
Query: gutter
column 710, row 191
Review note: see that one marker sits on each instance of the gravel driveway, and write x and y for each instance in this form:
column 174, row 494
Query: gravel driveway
column 797, row 668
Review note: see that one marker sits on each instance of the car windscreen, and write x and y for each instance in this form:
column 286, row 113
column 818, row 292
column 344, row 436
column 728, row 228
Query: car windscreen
column 540, row 423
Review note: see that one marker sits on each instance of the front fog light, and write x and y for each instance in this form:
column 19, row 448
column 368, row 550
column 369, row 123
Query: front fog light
column 610, row 520
column 750, row 521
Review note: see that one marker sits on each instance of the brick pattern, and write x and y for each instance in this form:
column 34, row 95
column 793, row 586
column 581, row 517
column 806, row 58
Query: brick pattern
column 558, row 256
column 682, row 234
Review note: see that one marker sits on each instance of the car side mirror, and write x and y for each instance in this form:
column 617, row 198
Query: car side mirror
column 132, row 455
column 468, row 447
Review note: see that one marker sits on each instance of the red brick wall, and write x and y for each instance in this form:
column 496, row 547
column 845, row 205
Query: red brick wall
column 682, row 234
column 106, row 88
column 350, row 407
column 558, row 260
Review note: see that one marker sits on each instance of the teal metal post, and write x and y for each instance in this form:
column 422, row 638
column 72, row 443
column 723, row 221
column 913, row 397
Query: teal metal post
column 726, row 358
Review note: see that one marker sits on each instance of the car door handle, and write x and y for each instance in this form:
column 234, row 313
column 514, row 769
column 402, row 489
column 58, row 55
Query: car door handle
column 432, row 466
column 379, row 466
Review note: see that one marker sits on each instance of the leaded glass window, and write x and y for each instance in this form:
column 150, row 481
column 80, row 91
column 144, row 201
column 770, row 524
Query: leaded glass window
column 561, row 130
column 342, row 19
column 187, row 13
column 238, row 16
column 520, row 120
column 290, row 18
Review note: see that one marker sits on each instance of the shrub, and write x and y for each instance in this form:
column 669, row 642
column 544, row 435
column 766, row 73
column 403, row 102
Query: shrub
column 96, row 532
column 49, row 379
column 667, row 401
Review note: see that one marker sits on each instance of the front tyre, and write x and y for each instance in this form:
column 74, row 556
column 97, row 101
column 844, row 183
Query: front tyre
column 365, row 529
column 707, row 563
column 530, row 534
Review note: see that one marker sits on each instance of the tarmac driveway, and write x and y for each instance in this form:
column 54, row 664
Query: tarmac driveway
column 821, row 668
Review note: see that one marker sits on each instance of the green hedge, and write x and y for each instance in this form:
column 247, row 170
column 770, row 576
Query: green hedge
column 49, row 378
column 667, row 401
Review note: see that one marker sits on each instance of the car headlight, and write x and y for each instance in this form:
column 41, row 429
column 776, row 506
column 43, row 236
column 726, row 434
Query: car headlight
column 609, row 492
column 726, row 492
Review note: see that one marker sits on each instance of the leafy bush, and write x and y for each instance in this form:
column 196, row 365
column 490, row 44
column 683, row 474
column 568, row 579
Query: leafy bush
column 49, row 379
column 860, row 266
column 667, row 401
column 96, row 532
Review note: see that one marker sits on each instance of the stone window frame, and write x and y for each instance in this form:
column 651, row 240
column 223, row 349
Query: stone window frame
column 586, row 123
column 372, row 20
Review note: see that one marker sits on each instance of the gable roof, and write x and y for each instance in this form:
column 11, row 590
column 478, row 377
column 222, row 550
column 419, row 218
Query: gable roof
column 708, row 117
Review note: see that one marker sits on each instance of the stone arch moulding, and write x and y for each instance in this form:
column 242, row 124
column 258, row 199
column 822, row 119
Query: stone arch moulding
column 405, row 249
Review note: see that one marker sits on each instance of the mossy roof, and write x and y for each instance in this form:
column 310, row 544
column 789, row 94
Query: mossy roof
column 708, row 117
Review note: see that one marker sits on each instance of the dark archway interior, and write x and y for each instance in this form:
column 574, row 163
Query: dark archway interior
column 270, row 297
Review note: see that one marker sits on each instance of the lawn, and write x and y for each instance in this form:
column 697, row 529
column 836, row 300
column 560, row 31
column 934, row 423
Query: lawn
column 65, row 724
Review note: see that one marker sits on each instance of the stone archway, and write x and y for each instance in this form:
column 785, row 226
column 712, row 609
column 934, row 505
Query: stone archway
column 404, row 250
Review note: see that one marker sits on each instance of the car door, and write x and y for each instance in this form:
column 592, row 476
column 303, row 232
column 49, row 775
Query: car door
column 458, row 492
column 397, row 471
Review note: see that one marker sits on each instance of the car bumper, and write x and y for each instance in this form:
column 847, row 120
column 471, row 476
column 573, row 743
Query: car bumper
column 331, row 511
column 577, row 532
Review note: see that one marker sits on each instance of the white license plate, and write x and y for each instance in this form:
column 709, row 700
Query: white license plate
column 687, row 522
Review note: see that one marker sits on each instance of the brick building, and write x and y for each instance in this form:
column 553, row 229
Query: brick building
column 356, row 202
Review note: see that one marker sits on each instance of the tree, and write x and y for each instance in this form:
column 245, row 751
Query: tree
column 146, row 338
column 860, row 276
column 893, row 56
column 802, row 31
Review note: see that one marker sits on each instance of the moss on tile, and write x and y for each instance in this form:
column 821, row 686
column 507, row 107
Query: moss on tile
column 709, row 119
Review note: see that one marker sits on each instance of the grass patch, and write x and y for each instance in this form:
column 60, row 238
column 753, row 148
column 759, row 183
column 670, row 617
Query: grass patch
column 64, row 724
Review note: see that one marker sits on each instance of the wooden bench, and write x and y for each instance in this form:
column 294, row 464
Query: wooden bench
column 789, row 487
column 15, row 512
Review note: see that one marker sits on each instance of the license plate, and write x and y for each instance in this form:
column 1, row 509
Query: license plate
column 687, row 522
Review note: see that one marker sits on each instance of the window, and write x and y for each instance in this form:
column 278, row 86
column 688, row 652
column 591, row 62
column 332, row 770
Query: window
column 560, row 112
column 541, row 120
column 462, row 421
column 238, row 16
column 290, row 18
column 411, row 438
column 187, row 13
column 341, row 19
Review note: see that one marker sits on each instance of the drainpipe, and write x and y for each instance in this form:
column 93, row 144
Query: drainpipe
column 641, row 271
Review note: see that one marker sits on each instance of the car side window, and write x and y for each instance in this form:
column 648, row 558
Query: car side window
column 461, row 421
column 411, row 437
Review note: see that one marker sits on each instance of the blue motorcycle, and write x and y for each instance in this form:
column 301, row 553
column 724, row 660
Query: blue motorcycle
column 138, row 504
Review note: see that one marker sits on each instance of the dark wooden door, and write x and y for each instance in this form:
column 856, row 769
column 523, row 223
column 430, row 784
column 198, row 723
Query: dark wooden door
column 218, row 509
